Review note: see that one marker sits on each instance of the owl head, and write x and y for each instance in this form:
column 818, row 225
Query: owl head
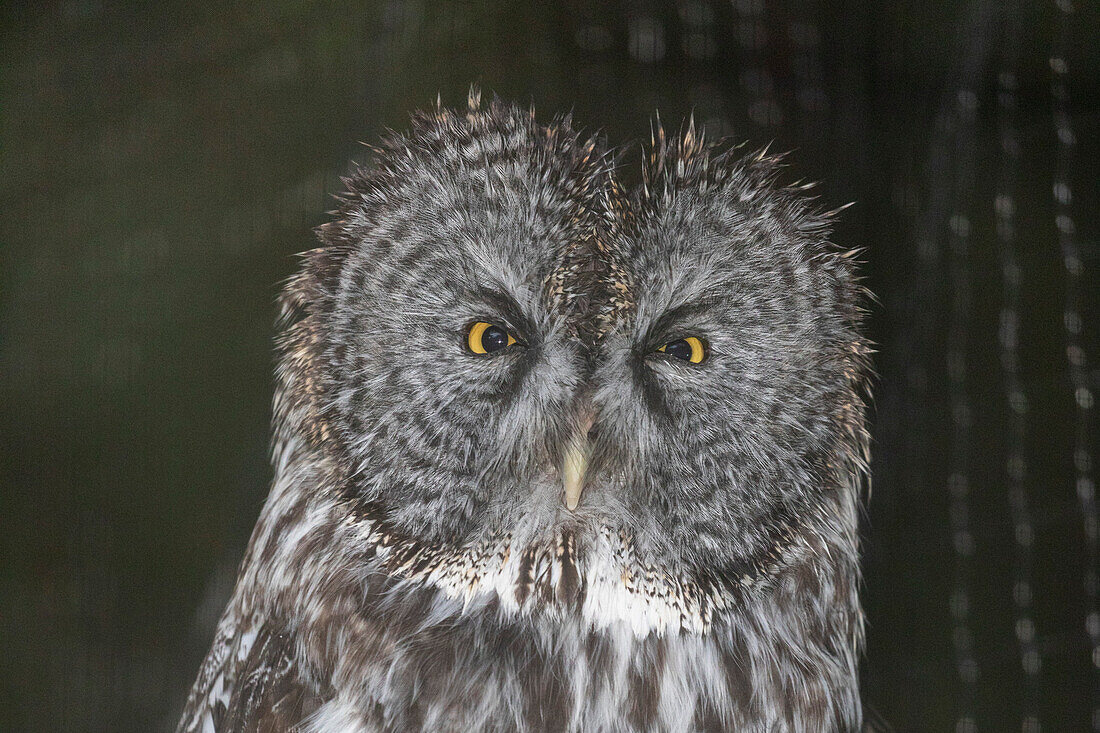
column 497, row 345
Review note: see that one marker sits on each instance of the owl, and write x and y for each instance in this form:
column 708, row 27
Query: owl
column 555, row 455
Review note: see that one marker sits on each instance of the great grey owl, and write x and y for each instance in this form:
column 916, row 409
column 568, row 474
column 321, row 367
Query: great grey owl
column 551, row 455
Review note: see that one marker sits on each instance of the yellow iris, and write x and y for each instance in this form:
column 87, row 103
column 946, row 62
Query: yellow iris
column 485, row 338
column 689, row 349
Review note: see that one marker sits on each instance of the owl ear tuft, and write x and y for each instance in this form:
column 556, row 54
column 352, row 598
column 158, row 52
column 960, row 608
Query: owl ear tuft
column 689, row 138
column 675, row 162
column 473, row 99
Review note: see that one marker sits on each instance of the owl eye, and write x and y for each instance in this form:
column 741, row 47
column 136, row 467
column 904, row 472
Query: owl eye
column 689, row 349
column 485, row 338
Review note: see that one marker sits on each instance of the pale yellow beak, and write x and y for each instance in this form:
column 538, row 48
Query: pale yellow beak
column 575, row 464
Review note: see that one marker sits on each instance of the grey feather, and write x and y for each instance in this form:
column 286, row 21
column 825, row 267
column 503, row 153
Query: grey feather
column 414, row 567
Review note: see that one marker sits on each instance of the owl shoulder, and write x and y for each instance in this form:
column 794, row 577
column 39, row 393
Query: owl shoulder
column 250, row 682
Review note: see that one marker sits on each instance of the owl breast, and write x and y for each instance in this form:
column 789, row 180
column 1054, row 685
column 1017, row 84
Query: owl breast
column 567, row 635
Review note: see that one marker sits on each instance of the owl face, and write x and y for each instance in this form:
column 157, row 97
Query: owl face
column 723, row 457
column 507, row 343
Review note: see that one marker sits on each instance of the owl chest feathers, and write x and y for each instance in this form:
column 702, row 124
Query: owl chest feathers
column 533, row 637
column 548, row 679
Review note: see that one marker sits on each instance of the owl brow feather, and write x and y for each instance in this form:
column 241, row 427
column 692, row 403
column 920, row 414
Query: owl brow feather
column 682, row 312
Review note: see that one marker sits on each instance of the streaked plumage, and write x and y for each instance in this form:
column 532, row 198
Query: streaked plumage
column 415, row 567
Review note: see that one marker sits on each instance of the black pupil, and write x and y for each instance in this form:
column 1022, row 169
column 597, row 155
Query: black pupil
column 493, row 339
column 680, row 349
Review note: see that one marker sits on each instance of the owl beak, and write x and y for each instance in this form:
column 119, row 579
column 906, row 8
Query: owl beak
column 575, row 463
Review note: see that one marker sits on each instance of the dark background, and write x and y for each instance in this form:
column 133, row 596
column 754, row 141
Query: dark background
column 160, row 164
